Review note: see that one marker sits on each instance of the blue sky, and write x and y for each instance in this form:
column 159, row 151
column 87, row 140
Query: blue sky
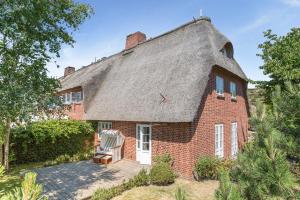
column 242, row 21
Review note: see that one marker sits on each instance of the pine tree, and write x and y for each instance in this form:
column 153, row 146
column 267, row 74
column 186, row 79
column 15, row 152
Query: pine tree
column 29, row 190
column 227, row 190
column 263, row 171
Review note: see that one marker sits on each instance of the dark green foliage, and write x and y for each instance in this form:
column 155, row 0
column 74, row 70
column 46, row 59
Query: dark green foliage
column 161, row 172
column 32, row 34
column 227, row 190
column 142, row 179
column 263, row 171
column 180, row 194
column 286, row 118
column 281, row 57
column 208, row 167
column 46, row 140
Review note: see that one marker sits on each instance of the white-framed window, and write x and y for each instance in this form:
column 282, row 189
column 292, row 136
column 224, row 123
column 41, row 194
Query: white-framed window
column 76, row 96
column 220, row 85
column 234, row 139
column 104, row 126
column 72, row 97
column 233, row 90
column 68, row 98
column 219, row 140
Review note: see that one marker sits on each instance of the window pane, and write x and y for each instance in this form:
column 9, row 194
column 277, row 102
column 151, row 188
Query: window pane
column 233, row 89
column 219, row 85
column 146, row 146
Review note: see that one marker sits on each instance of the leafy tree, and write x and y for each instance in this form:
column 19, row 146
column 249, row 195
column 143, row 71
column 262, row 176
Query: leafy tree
column 281, row 57
column 31, row 34
column 227, row 190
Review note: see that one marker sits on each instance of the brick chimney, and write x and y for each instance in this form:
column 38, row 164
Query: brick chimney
column 134, row 39
column 69, row 70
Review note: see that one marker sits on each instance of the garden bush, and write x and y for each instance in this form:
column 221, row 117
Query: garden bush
column 51, row 139
column 208, row 167
column 142, row 179
column 161, row 172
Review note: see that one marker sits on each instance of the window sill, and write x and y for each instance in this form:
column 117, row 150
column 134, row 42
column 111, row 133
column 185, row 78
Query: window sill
column 233, row 99
column 220, row 96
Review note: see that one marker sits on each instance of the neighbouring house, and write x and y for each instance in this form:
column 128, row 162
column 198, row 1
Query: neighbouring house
column 180, row 93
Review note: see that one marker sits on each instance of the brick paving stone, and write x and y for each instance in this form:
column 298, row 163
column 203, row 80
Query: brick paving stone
column 81, row 179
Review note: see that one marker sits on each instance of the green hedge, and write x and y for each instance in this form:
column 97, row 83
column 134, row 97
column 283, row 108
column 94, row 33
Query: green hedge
column 45, row 140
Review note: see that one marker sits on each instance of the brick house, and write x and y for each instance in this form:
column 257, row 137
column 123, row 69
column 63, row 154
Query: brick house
column 180, row 93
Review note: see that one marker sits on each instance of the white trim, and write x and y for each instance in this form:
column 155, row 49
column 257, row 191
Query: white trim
column 139, row 151
column 233, row 85
column 234, row 139
column 219, row 85
column 219, row 140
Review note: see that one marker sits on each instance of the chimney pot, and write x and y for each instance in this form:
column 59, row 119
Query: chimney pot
column 69, row 70
column 134, row 39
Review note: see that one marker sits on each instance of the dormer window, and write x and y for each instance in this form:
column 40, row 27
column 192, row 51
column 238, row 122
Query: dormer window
column 72, row 97
column 76, row 96
column 227, row 50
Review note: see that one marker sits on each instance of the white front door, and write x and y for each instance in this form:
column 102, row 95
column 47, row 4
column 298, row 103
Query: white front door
column 143, row 143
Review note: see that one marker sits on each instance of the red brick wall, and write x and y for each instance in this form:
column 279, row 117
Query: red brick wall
column 75, row 111
column 185, row 142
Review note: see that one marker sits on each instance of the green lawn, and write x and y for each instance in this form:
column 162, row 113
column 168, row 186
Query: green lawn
column 12, row 178
column 195, row 191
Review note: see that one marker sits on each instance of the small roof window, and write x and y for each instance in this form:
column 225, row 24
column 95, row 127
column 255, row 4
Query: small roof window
column 227, row 50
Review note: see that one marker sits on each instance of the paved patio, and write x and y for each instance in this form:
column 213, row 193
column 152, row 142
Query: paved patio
column 80, row 180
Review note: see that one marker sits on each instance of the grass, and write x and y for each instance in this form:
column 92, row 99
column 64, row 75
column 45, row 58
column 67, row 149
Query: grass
column 12, row 179
column 195, row 191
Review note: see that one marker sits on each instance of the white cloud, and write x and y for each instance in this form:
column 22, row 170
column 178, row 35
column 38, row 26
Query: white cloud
column 292, row 2
column 262, row 20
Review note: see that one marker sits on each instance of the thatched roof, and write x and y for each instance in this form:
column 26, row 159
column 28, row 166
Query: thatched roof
column 131, row 85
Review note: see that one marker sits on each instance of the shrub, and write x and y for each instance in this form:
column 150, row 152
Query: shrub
column 227, row 190
column 66, row 158
column 141, row 179
column 180, row 194
column 45, row 140
column 208, row 167
column 28, row 190
column 165, row 158
column 162, row 174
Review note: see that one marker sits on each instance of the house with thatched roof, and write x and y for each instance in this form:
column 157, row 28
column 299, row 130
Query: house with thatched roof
column 180, row 93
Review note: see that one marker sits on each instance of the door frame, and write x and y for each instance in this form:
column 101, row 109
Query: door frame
column 136, row 141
